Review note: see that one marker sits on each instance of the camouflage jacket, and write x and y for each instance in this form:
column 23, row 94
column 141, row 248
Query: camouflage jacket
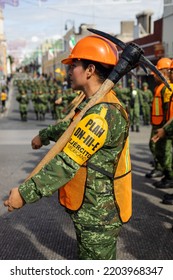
column 61, row 169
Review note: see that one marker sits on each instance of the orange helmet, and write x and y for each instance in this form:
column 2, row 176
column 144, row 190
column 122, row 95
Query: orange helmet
column 163, row 63
column 94, row 48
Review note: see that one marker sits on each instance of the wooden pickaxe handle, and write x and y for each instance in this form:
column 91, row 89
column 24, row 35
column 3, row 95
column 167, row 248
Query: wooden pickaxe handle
column 129, row 59
column 72, row 106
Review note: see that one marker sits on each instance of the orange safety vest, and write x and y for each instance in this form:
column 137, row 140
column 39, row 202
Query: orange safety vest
column 72, row 194
column 157, row 106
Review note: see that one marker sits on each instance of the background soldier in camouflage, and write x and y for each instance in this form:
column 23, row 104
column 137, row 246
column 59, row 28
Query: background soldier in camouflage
column 160, row 150
column 121, row 93
column 23, row 100
column 135, row 104
column 147, row 101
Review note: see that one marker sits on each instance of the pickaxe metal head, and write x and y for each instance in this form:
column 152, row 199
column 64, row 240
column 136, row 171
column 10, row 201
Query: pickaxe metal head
column 143, row 61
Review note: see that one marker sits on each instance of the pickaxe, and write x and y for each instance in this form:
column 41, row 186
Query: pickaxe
column 143, row 61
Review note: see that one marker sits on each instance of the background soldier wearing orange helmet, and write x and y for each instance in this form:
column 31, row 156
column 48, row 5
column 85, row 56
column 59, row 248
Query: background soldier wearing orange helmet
column 93, row 171
column 164, row 151
column 160, row 150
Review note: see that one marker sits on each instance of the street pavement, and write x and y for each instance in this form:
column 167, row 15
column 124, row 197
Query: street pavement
column 44, row 231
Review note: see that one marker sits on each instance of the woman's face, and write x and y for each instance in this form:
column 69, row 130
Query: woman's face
column 77, row 75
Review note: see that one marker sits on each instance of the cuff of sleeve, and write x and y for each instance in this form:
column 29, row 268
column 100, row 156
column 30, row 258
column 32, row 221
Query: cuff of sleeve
column 28, row 192
column 44, row 138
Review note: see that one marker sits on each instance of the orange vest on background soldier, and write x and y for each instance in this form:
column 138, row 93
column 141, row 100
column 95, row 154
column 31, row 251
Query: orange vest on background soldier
column 157, row 112
column 157, row 106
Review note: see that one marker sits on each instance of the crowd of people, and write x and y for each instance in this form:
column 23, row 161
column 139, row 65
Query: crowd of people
column 137, row 101
column 46, row 96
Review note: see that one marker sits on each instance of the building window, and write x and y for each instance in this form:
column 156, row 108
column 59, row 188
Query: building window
column 168, row 2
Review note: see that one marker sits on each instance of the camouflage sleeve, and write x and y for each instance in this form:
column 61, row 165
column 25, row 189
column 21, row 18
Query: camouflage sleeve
column 169, row 129
column 49, row 179
column 53, row 132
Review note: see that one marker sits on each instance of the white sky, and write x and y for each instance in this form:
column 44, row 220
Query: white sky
column 34, row 20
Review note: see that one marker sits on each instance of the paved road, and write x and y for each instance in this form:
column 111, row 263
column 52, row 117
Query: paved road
column 44, row 231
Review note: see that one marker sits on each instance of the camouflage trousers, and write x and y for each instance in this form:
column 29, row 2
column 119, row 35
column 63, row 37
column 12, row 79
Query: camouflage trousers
column 97, row 242
column 152, row 147
column 164, row 156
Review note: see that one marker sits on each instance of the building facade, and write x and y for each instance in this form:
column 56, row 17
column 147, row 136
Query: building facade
column 3, row 48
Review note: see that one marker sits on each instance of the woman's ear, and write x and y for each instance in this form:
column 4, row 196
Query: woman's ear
column 90, row 70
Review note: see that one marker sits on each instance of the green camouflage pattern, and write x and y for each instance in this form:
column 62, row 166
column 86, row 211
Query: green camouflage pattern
column 97, row 222
column 169, row 129
column 147, row 102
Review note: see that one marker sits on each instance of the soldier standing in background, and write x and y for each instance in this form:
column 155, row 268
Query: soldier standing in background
column 135, row 104
column 161, row 154
column 59, row 103
column 147, row 101
column 121, row 94
column 41, row 103
column 23, row 100
column 164, row 146
column 52, row 98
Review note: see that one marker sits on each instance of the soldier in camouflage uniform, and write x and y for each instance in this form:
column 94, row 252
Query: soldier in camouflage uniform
column 23, row 100
column 160, row 150
column 34, row 95
column 121, row 93
column 164, row 145
column 41, row 103
column 51, row 99
column 166, row 131
column 135, row 103
column 97, row 220
column 147, row 102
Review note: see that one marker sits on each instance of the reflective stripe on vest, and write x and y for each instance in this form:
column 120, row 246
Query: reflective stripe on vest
column 72, row 194
column 157, row 106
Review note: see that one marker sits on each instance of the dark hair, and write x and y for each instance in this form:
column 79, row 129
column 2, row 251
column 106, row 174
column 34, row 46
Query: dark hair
column 101, row 71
